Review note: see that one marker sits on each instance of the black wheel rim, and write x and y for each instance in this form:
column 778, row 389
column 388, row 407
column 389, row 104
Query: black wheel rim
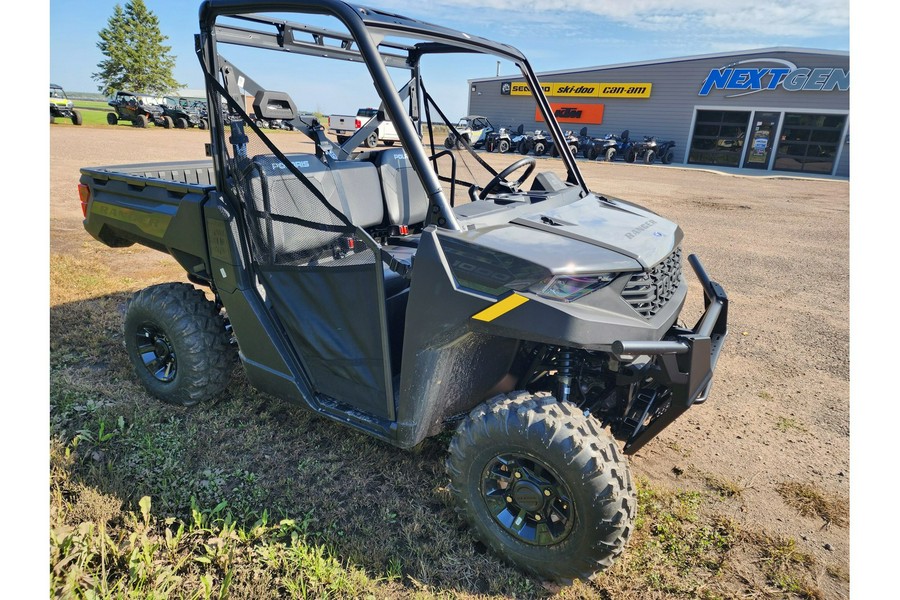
column 156, row 352
column 527, row 500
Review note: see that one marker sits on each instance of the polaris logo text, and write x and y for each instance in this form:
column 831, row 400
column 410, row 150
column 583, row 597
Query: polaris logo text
column 786, row 76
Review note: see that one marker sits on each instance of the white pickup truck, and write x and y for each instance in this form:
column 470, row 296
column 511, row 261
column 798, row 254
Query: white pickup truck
column 344, row 126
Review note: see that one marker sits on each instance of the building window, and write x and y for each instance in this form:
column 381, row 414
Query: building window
column 809, row 142
column 719, row 137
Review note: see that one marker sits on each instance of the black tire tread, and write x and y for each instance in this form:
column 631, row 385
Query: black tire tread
column 206, row 358
column 584, row 443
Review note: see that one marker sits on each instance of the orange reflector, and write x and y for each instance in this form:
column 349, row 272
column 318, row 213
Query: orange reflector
column 84, row 193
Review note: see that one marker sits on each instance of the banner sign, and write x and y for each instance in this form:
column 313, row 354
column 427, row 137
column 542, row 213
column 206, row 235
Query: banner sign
column 580, row 89
column 574, row 113
column 786, row 76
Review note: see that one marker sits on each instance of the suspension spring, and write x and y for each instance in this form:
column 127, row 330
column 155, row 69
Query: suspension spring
column 564, row 375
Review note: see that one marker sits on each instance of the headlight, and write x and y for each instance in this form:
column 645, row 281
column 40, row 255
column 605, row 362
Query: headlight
column 569, row 288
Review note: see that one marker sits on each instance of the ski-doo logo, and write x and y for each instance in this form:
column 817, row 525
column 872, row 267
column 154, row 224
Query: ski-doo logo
column 505, row 88
column 786, row 76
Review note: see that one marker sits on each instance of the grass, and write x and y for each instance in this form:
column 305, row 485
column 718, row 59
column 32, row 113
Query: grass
column 786, row 424
column 252, row 497
column 809, row 501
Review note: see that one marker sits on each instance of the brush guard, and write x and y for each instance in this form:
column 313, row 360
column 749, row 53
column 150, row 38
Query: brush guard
column 683, row 367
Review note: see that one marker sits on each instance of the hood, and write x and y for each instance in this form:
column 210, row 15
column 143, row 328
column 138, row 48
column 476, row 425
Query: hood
column 623, row 228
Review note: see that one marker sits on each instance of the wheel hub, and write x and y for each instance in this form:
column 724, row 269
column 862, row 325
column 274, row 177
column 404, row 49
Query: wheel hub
column 527, row 500
column 528, row 496
column 156, row 352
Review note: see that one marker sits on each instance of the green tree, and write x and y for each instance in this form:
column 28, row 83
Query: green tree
column 136, row 57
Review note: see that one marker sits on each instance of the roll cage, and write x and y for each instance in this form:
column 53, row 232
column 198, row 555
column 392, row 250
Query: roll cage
column 371, row 38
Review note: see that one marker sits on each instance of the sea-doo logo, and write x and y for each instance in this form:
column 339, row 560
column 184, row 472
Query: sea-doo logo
column 580, row 89
column 787, row 76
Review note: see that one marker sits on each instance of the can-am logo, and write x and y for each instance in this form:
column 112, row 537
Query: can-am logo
column 786, row 76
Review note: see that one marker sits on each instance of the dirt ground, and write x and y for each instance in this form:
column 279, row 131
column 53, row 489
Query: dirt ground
column 779, row 411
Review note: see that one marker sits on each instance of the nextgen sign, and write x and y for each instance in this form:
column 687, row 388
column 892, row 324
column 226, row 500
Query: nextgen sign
column 786, row 76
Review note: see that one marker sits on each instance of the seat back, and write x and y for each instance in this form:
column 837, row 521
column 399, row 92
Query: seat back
column 406, row 202
column 291, row 221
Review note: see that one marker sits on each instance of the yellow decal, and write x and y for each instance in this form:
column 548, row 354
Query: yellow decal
column 500, row 308
column 624, row 90
column 583, row 89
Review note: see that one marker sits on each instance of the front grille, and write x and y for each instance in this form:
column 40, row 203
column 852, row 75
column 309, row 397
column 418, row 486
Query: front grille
column 649, row 291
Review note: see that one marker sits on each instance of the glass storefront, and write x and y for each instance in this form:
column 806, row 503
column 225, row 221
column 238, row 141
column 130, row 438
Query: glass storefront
column 809, row 142
column 719, row 137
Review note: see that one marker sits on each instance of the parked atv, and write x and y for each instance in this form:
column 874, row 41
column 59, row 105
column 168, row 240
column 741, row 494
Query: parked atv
column 61, row 106
column 665, row 151
column 536, row 142
column 500, row 141
column 571, row 140
column 609, row 147
column 132, row 108
column 178, row 112
column 472, row 130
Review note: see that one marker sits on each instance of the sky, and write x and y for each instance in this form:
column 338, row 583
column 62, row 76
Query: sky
column 553, row 34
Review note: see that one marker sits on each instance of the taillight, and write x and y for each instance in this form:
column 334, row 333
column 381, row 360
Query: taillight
column 358, row 124
column 84, row 193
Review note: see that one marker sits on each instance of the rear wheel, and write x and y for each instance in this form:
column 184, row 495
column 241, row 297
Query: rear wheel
column 203, row 124
column 341, row 139
column 449, row 143
column 77, row 119
column 593, row 152
column 388, row 142
column 372, row 140
column 177, row 342
column 167, row 122
column 668, row 157
column 542, row 485
column 649, row 157
column 630, row 155
column 112, row 119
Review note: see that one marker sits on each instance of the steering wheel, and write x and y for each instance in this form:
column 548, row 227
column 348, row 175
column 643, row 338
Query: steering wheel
column 500, row 178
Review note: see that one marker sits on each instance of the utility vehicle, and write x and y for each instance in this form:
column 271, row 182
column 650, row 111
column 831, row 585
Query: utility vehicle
column 532, row 317
column 61, row 106
column 178, row 112
column 134, row 108
column 472, row 129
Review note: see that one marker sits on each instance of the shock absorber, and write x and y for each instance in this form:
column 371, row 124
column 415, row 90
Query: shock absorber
column 564, row 375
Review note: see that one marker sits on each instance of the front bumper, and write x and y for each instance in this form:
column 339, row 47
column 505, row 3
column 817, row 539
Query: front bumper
column 684, row 365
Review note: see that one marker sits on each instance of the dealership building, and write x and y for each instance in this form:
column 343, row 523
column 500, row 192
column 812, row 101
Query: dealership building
column 772, row 109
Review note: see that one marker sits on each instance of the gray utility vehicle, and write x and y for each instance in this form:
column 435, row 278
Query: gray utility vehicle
column 537, row 321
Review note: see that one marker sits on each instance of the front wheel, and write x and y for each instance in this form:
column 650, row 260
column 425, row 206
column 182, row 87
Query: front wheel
column 610, row 154
column 539, row 148
column 112, row 118
column 503, row 147
column 141, row 121
column 168, row 123
column 77, row 119
column 203, row 124
column 542, row 485
column 649, row 157
column 178, row 344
